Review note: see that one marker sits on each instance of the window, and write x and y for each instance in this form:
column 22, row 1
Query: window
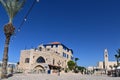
column 40, row 60
column 27, row 60
column 64, row 55
column 67, row 56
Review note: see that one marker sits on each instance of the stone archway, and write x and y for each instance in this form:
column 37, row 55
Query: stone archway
column 39, row 69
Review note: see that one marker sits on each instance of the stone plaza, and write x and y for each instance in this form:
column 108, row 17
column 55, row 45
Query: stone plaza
column 63, row 76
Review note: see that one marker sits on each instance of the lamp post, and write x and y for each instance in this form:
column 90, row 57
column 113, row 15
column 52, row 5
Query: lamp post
column 59, row 67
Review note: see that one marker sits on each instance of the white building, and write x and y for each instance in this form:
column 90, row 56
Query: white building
column 9, row 64
column 11, row 67
column 106, row 64
column 103, row 66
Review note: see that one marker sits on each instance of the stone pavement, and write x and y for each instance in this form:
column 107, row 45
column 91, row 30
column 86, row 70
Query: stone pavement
column 67, row 76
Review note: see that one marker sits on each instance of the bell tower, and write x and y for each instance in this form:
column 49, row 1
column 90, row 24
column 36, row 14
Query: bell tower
column 106, row 65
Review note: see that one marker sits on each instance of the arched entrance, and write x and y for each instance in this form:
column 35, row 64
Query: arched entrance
column 39, row 69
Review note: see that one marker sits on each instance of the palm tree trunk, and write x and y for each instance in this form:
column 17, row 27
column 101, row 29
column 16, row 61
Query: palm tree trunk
column 5, row 58
column 8, row 30
column 117, row 62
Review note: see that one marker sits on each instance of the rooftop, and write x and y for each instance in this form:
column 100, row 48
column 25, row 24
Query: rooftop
column 55, row 43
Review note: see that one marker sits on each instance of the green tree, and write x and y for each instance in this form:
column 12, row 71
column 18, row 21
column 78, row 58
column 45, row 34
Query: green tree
column 71, row 65
column 76, row 59
column 117, row 56
column 80, row 68
column 12, row 7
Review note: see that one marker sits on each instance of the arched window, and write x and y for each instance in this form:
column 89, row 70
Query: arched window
column 27, row 60
column 40, row 60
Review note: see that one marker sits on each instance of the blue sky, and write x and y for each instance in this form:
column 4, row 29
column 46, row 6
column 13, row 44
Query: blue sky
column 86, row 26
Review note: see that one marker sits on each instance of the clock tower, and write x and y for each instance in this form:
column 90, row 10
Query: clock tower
column 106, row 65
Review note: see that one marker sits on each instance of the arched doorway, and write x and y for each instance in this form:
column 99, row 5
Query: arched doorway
column 39, row 69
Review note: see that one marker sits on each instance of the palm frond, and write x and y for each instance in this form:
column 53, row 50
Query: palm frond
column 12, row 7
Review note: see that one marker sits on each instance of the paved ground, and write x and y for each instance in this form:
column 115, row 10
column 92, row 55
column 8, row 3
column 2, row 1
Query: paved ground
column 61, row 77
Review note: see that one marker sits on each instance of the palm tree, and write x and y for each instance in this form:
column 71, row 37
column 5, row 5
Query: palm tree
column 76, row 59
column 117, row 56
column 117, row 59
column 12, row 7
column 75, row 70
column 111, row 67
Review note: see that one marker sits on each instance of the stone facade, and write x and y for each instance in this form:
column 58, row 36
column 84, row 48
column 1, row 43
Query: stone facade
column 106, row 64
column 46, row 57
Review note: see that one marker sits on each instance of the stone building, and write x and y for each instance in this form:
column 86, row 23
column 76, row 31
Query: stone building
column 11, row 67
column 103, row 66
column 106, row 64
column 51, row 56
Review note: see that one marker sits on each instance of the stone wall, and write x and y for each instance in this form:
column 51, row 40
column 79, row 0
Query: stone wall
column 52, row 56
